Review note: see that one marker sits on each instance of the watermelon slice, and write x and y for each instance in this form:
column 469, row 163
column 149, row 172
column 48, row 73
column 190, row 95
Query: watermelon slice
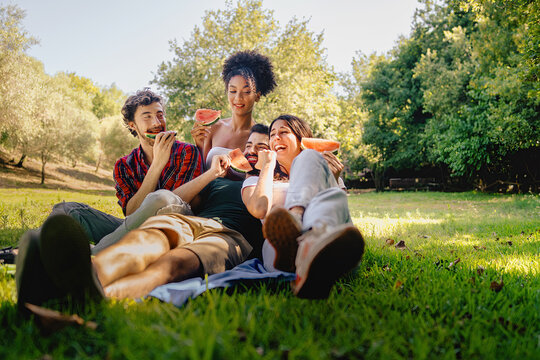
column 239, row 162
column 319, row 145
column 151, row 135
column 207, row 117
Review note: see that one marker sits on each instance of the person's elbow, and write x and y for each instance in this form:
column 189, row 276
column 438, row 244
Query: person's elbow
column 259, row 210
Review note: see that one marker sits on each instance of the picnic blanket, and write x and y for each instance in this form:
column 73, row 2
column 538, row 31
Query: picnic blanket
column 249, row 272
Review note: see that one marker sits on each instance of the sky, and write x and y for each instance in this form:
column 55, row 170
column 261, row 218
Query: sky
column 124, row 41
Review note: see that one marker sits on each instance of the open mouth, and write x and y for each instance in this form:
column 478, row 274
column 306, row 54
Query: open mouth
column 152, row 133
column 278, row 148
column 252, row 159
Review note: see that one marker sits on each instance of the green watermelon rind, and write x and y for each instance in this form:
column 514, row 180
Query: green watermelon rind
column 240, row 154
column 209, row 123
column 239, row 170
column 150, row 136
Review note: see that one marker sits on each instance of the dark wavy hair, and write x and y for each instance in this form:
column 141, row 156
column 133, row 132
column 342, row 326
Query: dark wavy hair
column 254, row 67
column 143, row 97
column 299, row 127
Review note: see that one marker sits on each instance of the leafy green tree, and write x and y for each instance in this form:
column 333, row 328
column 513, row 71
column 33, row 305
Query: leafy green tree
column 114, row 141
column 458, row 93
column 479, row 96
column 108, row 101
column 193, row 79
column 16, row 74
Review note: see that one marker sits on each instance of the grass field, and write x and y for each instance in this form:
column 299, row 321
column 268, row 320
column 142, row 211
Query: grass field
column 436, row 296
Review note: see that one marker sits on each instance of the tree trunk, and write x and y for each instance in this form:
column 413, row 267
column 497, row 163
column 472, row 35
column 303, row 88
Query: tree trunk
column 43, row 162
column 98, row 162
column 378, row 177
column 21, row 160
column 42, row 173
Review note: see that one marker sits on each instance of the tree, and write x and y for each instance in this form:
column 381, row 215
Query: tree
column 479, row 95
column 193, row 79
column 114, row 140
column 17, row 74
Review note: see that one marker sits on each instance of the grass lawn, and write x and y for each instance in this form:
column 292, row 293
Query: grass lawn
column 437, row 295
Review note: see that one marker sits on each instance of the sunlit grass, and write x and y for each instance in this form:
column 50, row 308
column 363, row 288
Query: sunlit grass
column 432, row 299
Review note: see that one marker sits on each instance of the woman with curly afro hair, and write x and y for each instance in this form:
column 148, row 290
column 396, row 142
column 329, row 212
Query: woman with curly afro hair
column 247, row 76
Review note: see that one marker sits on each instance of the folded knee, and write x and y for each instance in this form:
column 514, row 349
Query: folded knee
column 159, row 199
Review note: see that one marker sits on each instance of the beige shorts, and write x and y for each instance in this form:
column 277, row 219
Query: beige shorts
column 218, row 247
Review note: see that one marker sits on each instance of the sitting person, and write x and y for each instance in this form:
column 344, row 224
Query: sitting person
column 247, row 76
column 160, row 163
column 56, row 263
column 306, row 220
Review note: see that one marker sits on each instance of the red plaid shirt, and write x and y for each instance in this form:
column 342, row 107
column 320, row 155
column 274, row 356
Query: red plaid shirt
column 129, row 172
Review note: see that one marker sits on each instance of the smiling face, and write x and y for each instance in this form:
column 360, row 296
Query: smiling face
column 256, row 142
column 242, row 96
column 149, row 119
column 284, row 142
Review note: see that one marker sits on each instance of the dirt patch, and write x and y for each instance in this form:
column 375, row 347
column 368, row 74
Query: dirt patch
column 57, row 176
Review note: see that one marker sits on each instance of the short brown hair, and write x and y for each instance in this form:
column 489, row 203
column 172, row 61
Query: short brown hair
column 143, row 97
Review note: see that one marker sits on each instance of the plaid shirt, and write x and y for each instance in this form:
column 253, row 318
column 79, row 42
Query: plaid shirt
column 129, row 172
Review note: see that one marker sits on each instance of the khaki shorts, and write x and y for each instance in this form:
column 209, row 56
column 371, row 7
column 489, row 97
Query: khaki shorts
column 218, row 247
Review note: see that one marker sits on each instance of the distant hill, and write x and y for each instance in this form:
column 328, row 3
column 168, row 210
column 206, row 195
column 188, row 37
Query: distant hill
column 57, row 175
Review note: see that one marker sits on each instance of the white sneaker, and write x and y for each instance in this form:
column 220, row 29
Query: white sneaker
column 323, row 256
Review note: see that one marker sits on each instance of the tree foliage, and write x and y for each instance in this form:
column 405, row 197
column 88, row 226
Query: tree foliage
column 193, row 79
column 460, row 92
column 50, row 117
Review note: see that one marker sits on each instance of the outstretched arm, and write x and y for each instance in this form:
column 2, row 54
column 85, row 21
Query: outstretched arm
column 219, row 167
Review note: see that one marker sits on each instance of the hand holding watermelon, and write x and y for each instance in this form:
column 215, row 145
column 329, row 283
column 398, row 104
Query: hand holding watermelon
column 204, row 118
column 336, row 166
column 199, row 133
column 162, row 148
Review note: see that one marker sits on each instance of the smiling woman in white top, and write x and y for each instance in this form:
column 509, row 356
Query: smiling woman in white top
column 311, row 233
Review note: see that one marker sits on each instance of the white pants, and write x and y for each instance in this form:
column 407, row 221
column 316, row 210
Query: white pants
column 313, row 187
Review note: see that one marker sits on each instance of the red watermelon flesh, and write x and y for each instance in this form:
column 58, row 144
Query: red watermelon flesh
column 319, row 145
column 207, row 117
column 239, row 162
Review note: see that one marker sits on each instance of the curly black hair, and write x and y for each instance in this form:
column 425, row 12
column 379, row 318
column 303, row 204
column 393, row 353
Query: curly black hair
column 254, row 67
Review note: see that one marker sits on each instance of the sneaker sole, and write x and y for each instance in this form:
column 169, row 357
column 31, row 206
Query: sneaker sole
column 65, row 253
column 281, row 230
column 33, row 284
column 336, row 259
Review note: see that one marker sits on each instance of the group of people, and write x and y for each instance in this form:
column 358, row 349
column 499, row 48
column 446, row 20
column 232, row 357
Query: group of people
column 187, row 213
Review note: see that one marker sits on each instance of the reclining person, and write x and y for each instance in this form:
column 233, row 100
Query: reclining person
column 306, row 214
column 56, row 263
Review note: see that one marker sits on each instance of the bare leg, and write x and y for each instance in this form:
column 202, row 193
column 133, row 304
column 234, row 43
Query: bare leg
column 131, row 255
column 176, row 265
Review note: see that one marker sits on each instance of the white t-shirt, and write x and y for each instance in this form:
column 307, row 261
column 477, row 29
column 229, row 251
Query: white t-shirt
column 279, row 189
